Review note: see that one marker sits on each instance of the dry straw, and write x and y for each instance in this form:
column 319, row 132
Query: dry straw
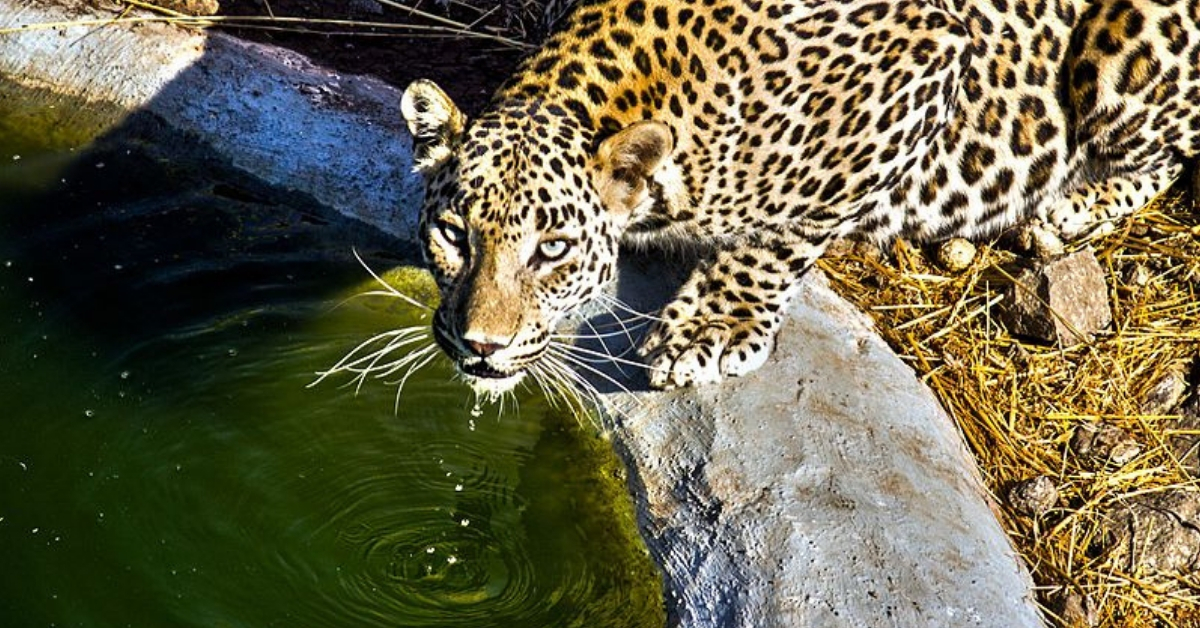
column 425, row 24
column 1019, row 403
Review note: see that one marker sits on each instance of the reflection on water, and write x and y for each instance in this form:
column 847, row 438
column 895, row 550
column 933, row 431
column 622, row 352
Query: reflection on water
column 164, row 464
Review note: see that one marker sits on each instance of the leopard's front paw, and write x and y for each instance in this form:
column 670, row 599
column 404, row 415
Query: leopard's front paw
column 704, row 349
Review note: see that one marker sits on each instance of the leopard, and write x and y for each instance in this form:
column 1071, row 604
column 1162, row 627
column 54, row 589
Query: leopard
column 762, row 132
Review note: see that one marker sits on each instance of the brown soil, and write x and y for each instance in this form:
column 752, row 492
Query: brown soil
column 469, row 68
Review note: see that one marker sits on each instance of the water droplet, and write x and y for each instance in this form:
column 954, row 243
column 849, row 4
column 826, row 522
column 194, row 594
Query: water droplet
column 233, row 353
column 430, row 550
column 16, row 158
column 89, row 413
column 35, row 530
column 471, row 425
column 124, row 374
column 477, row 411
column 465, row 522
column 451, row 559
column 458, row 488
column 99, row 164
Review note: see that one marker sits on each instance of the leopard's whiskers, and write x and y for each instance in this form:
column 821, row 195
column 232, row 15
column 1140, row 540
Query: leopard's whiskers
column 625, row 331
column 567, row 358
column 615, row 302
column 388, row 290
column 593, row 356
column 370, row 360
column 585, row 389
column 365, row 363
column 561, row 382
column 417, row 360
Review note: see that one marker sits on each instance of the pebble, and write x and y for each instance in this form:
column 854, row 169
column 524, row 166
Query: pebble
column 1033, row 497
column 1103, row 444
column 1155, row 532
column 1063, row 300
column 1075, row 610
column 955, row 254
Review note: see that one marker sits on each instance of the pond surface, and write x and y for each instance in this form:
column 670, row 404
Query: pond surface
column 163, row 461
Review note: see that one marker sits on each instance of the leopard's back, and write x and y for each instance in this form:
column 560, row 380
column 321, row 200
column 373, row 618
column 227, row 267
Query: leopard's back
column 923, row 119
column 1062, row 101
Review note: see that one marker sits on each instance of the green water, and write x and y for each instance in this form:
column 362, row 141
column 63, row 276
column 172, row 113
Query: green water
column 163, row 462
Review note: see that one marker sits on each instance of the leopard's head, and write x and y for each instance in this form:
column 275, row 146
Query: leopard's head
column 521, row 222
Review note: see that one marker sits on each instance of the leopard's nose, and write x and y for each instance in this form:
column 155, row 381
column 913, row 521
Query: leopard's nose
column 483, row 349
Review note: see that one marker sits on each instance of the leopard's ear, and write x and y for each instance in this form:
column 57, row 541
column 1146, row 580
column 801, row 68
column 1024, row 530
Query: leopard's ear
column 625, row 162
column 435, row 123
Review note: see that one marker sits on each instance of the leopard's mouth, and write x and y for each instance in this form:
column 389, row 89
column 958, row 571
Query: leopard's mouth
column 483, row 370
column 488, row 381
column 479, row 373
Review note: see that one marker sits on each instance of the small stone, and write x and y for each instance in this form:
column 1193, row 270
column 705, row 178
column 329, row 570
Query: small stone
column 1033, row 497
column 1075, row 610
column 1063, row 300
column 1038, row 239
column 1139, row 275
column 1165, row 396
column 854, row 247
column 840, row 247
column 955, row 254
column 1158, row 532
column 190, row 7
column 1183, row 436
column 1104, row 444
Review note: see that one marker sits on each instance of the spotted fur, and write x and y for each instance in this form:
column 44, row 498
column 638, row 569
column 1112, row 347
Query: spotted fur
column 768, row 129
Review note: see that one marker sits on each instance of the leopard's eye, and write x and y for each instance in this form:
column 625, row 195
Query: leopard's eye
column 451, row 233
column 552, row 250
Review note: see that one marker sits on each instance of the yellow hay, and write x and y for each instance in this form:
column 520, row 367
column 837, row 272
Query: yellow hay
column 1018, row 403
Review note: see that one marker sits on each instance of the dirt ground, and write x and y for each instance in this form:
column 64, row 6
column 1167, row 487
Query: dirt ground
column 468, row 68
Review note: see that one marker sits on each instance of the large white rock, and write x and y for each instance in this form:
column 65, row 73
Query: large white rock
column 827, row 489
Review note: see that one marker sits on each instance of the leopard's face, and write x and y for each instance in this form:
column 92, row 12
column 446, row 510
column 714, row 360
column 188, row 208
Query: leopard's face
column 516, row 239
column 521, row 223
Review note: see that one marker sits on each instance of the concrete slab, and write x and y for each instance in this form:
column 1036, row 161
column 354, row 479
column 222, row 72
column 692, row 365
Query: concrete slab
column 827, row 489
